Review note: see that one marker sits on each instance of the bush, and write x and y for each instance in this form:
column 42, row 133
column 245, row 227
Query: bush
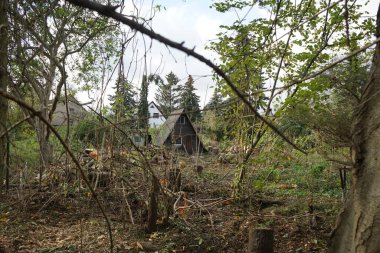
column 85, row 130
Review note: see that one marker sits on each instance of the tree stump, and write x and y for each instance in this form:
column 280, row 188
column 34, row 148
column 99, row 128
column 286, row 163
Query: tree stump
column 153, row 206
column 175, row 179
column 260, row 240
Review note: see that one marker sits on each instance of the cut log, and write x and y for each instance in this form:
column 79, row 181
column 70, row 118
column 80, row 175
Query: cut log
column 260, row 240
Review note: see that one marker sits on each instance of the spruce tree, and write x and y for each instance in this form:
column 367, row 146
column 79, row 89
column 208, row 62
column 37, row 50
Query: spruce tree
column 215, row 102
column 143, row 110
column 214, row 116
column 123, row 102
column 190, row 100
column 166, row 95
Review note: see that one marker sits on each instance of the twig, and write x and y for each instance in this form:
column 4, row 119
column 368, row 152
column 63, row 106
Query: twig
column 203, row 207
column 71, row 154
column 55, row 195
column 315, row 74
column 109, row 11
column 219, row 202
column 298, row 216
column 127, row 203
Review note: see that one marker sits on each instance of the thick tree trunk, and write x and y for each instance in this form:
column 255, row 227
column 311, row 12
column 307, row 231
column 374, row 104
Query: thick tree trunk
column 3, row 85
column 358, row 227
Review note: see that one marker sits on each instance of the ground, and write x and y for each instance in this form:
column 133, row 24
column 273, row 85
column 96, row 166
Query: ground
column 57, row 219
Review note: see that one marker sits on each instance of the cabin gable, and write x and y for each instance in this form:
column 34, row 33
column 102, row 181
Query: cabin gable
column 179, row 132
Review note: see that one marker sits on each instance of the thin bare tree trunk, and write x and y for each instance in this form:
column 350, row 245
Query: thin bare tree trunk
column 3, row 85
column 46, row 149
column 358, row 227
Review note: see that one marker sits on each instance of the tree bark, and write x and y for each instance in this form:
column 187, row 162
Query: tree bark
column 358, row 227
column 3, row 86
column 153, row 206
column 46, row 149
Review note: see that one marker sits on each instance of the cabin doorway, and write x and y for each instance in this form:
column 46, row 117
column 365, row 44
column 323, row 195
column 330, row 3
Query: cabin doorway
column 188, row 143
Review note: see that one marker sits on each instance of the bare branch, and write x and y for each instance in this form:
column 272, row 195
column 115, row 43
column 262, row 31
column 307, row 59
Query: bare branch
column 69, row 151
column 109, row 11
column 315, row 74
column 15, row 125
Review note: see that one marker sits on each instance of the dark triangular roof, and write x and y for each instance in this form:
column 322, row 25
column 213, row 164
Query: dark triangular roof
column 168, row 126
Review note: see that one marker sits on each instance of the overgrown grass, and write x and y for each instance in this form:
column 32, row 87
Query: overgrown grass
column 24, row 150
column 298, row 179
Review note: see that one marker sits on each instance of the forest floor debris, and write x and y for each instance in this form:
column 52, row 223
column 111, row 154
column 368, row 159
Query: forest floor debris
column 44, row 220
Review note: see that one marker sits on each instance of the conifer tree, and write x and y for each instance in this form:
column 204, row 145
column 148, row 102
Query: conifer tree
column 166, row 95
column 189, row 100
column 215, row 102
column 143, row 110
column 214, row 116
column 123, row 102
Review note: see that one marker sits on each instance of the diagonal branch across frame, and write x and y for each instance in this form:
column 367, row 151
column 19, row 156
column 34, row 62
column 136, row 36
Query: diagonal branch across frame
column 110, row 11
column 36, row 113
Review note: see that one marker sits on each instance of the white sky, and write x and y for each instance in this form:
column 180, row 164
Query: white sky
column 190, row 21
column 195, row 23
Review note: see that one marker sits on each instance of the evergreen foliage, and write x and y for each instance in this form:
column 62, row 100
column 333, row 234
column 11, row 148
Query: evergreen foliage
column 213, row 116
column 143, row 110
column 167, row 94
column 124, row 101
column 215, row 102
column 189, row 100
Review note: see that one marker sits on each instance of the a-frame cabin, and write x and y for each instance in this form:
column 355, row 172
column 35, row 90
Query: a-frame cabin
column 178, row 131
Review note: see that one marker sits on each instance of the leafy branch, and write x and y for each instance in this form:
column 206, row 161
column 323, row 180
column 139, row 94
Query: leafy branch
column 110, row 11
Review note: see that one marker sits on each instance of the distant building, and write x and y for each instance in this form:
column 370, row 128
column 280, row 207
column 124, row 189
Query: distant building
column 75, row 112
column 156, row 118
column 178, row 131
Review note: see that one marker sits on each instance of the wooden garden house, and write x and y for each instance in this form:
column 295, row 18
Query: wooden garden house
column 178, row 131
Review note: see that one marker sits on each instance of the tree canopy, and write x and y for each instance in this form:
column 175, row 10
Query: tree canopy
column 299, row 76
column 189, row 100
column 167, row 94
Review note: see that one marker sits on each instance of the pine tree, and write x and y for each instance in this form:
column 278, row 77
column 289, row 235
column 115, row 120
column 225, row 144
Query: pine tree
column 189, row 100
column 123, row 102
column 166, row 95
column 215, row 102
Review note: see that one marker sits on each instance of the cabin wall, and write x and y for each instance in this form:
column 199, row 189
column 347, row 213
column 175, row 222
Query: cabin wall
column 189, row 137
column 183, row 129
